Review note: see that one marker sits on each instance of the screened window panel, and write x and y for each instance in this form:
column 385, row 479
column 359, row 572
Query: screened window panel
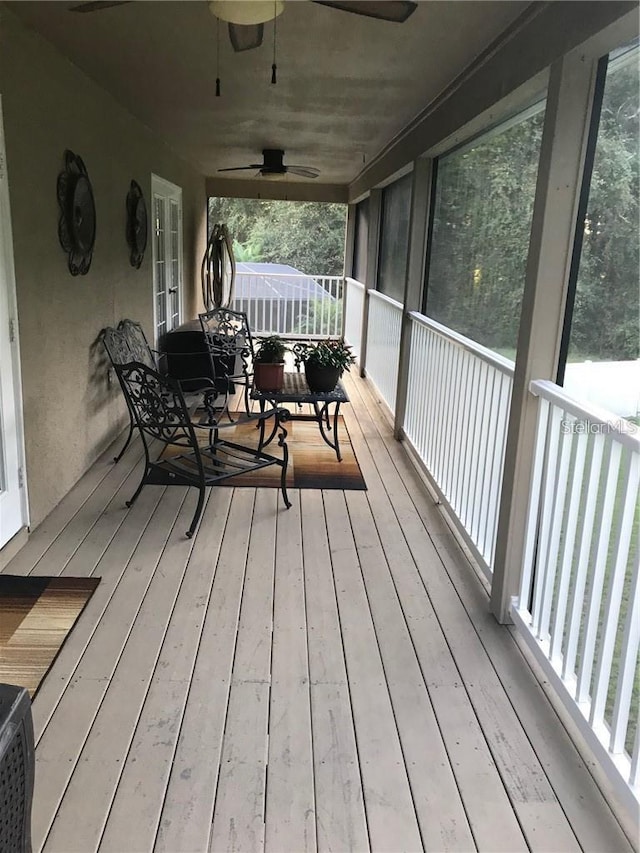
column 394, row 238
column 361, row 241
column 606, row 313
column 483, row 209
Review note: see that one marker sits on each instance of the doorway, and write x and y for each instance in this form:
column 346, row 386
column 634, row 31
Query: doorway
column 167, row 256
column 13, row 504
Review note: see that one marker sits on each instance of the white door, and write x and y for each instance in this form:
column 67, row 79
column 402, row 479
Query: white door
column 12, row 492
column 167, row 255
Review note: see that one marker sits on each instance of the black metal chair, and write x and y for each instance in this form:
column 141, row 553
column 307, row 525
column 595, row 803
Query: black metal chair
column 17, row 769
column 160, row 412
column 128, row 343
column 138, row 344
column 230, row 344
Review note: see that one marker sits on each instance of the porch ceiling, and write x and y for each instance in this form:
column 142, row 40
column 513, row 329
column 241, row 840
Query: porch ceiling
column 346, row 84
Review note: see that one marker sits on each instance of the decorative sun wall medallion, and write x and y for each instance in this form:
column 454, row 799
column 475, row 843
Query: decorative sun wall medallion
column 77, row 225
column 136, row 224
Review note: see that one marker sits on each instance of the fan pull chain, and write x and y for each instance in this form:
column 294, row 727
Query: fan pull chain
column 274, row 67
column 217, row 57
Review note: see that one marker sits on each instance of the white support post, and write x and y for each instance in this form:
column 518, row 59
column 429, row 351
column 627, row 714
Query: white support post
column 373, row 245
column 349, row 254
column 350, row 240
column 566, row 127
column 419, row 218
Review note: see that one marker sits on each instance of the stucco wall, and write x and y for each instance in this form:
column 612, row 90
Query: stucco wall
column 50, row 105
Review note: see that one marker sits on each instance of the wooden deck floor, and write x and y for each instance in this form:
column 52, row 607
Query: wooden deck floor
column 324, row 678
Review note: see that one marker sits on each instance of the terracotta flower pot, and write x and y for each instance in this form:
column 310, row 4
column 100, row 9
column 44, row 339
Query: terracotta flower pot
column 268, row 377
column 321, row 378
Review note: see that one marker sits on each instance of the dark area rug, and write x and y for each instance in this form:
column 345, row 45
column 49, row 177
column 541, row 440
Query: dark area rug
column 312, row 463
column 37, row 614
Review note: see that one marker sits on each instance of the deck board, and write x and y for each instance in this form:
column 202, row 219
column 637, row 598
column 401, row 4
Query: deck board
column 341, row 822
column 290, row 797
column 327, row 677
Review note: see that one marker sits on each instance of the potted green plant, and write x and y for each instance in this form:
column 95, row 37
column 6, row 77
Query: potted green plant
column 268, row 364
column 324, row 362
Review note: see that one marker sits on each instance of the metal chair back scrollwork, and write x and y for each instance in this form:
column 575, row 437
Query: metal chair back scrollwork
column 118, row 348
column 138, row 344
column 230, row 345
column 128, row 343
column 161, row 413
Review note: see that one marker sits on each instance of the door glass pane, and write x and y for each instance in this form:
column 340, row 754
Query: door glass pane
column 604, row 342
column 174, row 260
column 160, row 267
column 2, row 463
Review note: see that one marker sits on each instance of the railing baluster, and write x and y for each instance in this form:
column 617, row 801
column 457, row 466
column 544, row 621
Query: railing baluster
column 589, row 513
column 597, row 579
column 478, row 493
column 537, row 474
column 628, row 663
column 557, row 512
column 458, row 355
column 634, row 775
column 620, row 550
column 472, row 444
column 571, row 529
column 424, row 379
column 546, row 516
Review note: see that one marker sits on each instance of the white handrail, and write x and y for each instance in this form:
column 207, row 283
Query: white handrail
column 626, row 432
column 314, row 276
column 384, row 298
column 498, row 361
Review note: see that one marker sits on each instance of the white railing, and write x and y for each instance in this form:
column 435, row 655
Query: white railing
column 290, row 305
column 383, row 345
column 354, row 306
column 456, row 418
column 579, row 602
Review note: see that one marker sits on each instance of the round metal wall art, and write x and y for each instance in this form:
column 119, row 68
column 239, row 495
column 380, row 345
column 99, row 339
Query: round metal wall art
column 136, row 224
column 77, row 225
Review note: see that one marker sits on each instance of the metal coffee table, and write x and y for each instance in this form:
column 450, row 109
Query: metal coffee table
column 295, row 390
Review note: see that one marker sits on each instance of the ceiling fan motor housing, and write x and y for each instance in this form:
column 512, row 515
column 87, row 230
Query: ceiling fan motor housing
column 273, row 164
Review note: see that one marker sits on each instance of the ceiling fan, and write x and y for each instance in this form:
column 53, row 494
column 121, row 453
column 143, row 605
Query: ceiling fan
column 246, row 18
column 272, row 165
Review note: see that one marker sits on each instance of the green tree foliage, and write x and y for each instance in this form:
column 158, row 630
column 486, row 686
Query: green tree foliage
column 482, row 221
column 324, row 318
column 307, row 235
column 606, row 317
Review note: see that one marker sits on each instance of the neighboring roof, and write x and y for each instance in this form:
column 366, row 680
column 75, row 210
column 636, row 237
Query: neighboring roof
column 272, row 281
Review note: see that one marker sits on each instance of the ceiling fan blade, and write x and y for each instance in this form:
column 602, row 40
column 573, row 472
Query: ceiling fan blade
column 386, row 10
column 242, row 168
column 303, row 171
column 96, row 5
column 245, row 36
